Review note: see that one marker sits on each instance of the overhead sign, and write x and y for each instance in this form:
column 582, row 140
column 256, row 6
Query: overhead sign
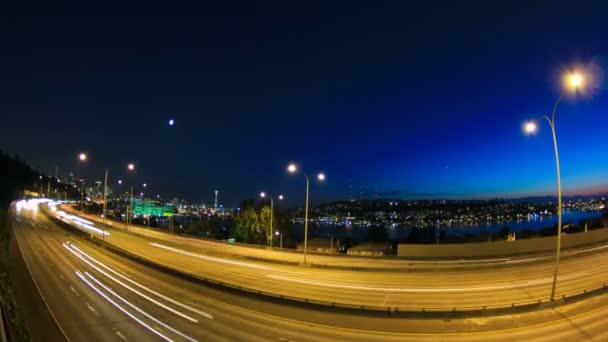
column 149, row 208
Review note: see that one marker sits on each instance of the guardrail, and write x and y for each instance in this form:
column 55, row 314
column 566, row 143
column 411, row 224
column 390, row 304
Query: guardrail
column 389, row 310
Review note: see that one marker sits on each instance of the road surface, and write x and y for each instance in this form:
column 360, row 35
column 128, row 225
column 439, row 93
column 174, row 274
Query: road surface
column 467, row 288
column 60, row 262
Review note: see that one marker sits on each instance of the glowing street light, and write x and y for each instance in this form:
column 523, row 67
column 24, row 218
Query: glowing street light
column 120, row 182
column 280, row 235
column 573, row 82
column 269, row 233
column 171, row 122
column 530, row 127
column 292, row 168
column 130, row 167
column 82, row 157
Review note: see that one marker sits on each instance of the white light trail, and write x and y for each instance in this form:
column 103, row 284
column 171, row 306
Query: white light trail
column 80, row 222
column 171, row 300
column 225, row 261
column 170, row 309
column 121, row 308
column 138, row 309
column 426, row 289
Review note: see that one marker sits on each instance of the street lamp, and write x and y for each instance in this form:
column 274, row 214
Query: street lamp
column 130, row 167
column 82, row 157
column 292, row 168
column 574, row 82
column 269, row 233
column 280, row 235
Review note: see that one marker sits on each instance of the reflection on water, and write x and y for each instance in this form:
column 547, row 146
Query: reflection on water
column 396, row 232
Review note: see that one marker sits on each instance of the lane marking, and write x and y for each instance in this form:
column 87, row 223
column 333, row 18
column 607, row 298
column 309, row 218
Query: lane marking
column 170, row 309
column 92, row 309
column 140, row 310
column 221, row 260
column 142, row 323
column 74, row 290
column 121, row 335
column 169, row 299
column 426, row 289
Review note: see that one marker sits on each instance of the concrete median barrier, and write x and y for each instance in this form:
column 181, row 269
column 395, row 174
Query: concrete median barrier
column 502, row 248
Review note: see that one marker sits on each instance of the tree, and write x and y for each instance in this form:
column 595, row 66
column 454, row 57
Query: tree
column 264, row 222
column 246, row 223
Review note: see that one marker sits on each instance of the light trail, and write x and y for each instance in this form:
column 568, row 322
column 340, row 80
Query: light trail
column 171, row 300
column 63, row 216
column 426, row 289
column 121, row 308
column 138, row 309
column 170, row 309
column 225, row 261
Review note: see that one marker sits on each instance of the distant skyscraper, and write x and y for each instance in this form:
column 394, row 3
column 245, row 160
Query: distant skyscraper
column 215, row 203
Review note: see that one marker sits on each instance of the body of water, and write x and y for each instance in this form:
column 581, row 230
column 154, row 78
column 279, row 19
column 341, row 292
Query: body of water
column 357, row 232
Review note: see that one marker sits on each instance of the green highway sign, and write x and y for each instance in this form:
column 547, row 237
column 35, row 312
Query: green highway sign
column 149, row 208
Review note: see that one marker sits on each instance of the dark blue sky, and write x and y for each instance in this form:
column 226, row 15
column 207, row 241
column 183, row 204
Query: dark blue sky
column 398, row 99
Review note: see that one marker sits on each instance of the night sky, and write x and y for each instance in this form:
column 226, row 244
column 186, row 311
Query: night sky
column 394, row 100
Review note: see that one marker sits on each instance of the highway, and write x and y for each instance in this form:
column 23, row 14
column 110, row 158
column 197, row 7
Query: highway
column 335, row 261
column 84, row 288
column 462, row 288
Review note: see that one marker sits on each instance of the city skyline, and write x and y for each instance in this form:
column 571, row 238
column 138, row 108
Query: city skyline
column 387, row 103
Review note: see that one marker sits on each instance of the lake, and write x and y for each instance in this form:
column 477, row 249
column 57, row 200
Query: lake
column 359, row 232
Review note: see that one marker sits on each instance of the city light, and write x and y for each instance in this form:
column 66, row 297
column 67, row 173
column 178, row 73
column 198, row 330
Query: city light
column 120, row 181
column 82, row 156
column 171, row 122
column 262, row 194
column 131, row 167
column 321, row 176
column 281, row 197
column 292, row 168
column 145, row 185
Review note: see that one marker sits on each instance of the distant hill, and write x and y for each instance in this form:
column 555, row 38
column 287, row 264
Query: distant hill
column 16, row 175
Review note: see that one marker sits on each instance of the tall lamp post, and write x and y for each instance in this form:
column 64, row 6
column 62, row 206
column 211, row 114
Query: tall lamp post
column 574, row 82
column 130, row 167
column 269, row 233
column 292, row 168
column 82, row 157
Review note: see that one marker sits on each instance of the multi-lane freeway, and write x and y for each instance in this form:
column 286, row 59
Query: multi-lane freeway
column 93, row 294
column 461, row 288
